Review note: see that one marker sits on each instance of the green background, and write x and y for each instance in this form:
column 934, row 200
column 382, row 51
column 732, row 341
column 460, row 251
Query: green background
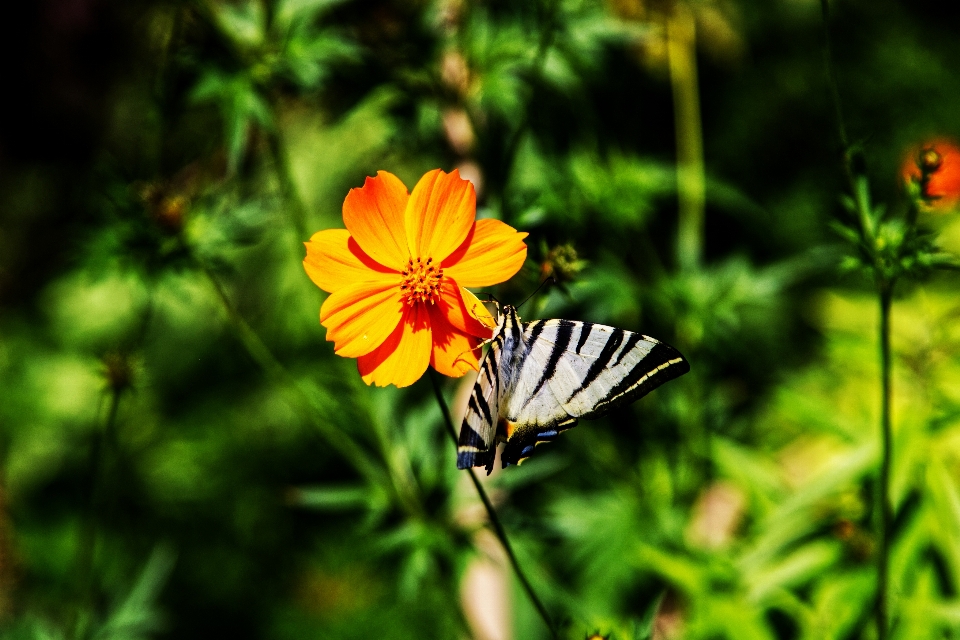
column 183, row 456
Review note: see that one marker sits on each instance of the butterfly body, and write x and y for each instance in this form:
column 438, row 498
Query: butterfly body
column 539, row 378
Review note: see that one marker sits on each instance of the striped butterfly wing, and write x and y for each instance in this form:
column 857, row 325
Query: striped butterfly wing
column 568, row 370
column 477, row 444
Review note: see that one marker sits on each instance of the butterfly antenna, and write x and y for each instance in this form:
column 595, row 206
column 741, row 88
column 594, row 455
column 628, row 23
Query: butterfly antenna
column 549, row 279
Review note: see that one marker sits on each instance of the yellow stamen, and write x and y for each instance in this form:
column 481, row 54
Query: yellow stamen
column 421, row 281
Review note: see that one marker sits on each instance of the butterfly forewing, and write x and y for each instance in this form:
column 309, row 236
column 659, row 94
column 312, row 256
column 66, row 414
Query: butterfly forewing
column 552, row 372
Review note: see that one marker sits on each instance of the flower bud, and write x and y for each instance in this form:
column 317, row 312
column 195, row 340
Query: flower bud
column 931, row 172
column 562, row 263
column 118, row 370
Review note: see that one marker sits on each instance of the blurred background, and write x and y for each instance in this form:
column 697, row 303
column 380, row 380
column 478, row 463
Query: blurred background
column 183, row 456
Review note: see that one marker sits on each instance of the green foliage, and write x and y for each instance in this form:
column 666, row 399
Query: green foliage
column 184, row 455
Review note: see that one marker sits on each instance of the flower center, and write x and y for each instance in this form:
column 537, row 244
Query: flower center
column 421, row 281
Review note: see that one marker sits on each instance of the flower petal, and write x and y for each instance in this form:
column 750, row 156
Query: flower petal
column 440, row 213
column 360, row 316
column 492, row 253
column 463, row 310
column 454, row 352
column 335, row 260
column 374, row 215
column 404, row 356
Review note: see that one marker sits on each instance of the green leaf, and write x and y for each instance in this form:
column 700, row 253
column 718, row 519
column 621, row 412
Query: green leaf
column 240, row 107
column 243, row 22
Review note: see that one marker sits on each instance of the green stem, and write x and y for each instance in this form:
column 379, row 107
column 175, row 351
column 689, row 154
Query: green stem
column 103, row 439
column 857, row 184
column 284, row 172
column 548, row 30
column 261, row 354
column 884, row 503
column 492, row 514
column 681, row 47
column 885, row 284
column 832, row 75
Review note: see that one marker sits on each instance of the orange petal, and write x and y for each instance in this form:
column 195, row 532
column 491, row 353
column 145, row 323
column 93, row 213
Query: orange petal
column 404, row 356
column 454, row 352
column 491, row 254
column 463, row 310
column 374, row 215
column 440, row 213
column 335, row 260
column 360, row 316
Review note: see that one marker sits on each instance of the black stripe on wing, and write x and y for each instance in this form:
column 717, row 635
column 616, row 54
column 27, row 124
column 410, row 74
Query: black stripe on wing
column 531, row 333
column 585, row 329
column 564, row 335
column 632, row 341
column 480, row 406
column 661, row 364
column 603, row 360
column 479, row 448
column 521, row 447
column 470, row 438
column 467, row 459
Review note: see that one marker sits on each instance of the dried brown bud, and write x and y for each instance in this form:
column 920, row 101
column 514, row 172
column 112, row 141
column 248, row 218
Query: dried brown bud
column 562, row 263
column 118, row 370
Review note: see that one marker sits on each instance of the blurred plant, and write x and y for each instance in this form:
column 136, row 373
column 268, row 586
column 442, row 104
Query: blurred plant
column 397, row 274
column 888, row 246
column 276, row 46
column 561, row 263
column 304, row 505
column 273, row 43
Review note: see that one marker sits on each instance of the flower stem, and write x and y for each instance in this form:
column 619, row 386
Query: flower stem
column 884, row 504
column 885, row 284
column 284, row 173
column 492, row 514
column 262, row 355
column 681, row 48
column 103, row 440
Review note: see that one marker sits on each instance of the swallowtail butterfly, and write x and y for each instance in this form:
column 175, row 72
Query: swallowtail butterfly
column 538, row 378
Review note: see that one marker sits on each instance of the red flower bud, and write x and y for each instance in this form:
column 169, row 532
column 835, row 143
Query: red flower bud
column 933, row 168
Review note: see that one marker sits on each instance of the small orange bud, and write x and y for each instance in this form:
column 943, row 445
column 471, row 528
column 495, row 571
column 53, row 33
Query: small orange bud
column 933, row 169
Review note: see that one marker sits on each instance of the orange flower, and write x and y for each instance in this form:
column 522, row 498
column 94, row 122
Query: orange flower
column 396, row 276
column 934, row 168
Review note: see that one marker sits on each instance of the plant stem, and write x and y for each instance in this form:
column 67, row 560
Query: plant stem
column 885, row 285
column 262, row 355
column 492, row 513
column 857, row 183
column 548, row 28
column 832, row 75
column 284, row 173
column 104, row 438
column 886, row 510
column 682, row 57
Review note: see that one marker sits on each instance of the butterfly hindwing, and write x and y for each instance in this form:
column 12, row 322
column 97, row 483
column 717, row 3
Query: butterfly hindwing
column 477, row 446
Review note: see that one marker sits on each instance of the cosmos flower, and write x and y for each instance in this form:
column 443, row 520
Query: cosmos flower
column 933, row 168
column 396, row 276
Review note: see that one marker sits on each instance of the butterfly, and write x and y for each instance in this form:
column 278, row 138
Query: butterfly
column 539, row 378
